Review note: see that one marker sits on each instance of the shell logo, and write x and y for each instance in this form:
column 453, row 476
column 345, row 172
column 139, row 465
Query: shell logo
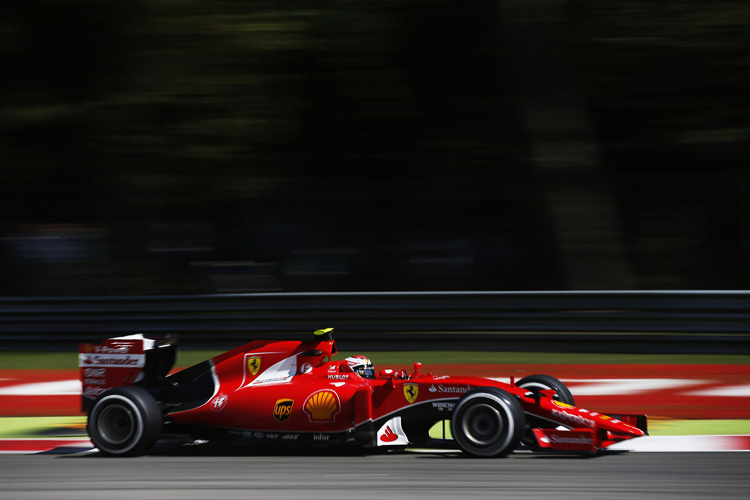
column 322, row 406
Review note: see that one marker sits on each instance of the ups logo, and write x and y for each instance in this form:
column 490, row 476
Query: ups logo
column 283, row 409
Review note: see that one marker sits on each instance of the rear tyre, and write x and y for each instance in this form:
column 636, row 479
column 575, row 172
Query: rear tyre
column 488, row 422
column 537, row 383
column 125, row 421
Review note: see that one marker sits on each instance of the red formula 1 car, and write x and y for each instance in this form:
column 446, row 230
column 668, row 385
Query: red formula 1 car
column 292, row 392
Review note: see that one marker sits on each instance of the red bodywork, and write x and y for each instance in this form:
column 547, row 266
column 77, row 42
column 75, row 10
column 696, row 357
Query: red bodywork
column 293, row 392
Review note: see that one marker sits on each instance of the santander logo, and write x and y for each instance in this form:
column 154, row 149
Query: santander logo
column 388, row 436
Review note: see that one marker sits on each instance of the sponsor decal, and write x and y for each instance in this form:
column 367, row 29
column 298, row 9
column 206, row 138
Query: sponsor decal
column 93, row 391
column 322, row 406
column 113, row 360
column 575, row 419
column 253, row 365
column 555, row 438
column 444, row 405
column 105, row 349
column 95, row 372
column 392, row 433
column 561, row 404
column 388, row 435
column 449, row 389
column 219, row 402
column 411, row 392
column 258, row 435
column 94, row 381
column 338, row 377
column 278, row 373
column 283, row 409
column 290, row 437
column 321, row 437
column 273, row 380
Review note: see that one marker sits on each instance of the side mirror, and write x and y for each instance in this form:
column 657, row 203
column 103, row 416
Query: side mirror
column 417, row 366
column 390, row 375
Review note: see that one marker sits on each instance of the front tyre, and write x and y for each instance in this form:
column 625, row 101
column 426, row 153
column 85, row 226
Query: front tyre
column 488, row 422
column 125, row 421
column 537, row 383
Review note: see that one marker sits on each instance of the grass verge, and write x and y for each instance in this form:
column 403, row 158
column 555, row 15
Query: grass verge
column 32, row 360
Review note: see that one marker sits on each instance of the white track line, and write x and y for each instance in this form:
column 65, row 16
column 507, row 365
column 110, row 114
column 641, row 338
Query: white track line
column 736, row 391
column 680, row 444
column 58, row 388
column 622, row 386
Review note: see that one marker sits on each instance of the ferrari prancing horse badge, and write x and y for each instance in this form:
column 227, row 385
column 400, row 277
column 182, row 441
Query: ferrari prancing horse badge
column 411, row 391
column 253, row 365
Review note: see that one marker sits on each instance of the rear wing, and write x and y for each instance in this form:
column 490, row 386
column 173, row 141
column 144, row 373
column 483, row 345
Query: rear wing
column 118, row 361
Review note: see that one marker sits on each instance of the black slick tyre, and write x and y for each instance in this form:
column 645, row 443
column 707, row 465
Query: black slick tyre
column 125, row 421
column 488, row 422
column 537, row 383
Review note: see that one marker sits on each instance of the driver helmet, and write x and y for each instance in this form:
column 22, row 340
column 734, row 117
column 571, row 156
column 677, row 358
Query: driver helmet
column 361, row 366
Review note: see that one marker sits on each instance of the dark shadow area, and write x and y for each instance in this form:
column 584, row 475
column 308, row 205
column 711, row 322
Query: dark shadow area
column 190, row 147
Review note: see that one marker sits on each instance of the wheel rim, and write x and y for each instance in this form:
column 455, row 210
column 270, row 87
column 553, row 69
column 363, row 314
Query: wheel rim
column 482, row 424
column 117, row 424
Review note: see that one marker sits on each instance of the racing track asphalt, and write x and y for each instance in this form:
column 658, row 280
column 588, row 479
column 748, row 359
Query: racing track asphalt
column 185, row 475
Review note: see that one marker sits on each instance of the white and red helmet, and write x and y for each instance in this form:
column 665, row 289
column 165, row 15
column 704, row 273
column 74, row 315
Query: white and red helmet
column 361, row 365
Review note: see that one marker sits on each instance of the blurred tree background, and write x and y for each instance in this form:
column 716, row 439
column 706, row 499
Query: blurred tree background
column 193, row 146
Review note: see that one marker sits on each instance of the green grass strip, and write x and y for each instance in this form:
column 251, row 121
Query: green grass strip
column 699, row 427
column 25, row 360
column 656, row 428
column 38, row 427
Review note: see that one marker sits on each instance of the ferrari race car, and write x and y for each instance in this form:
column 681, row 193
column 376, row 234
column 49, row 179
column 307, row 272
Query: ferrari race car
column 292, row 392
